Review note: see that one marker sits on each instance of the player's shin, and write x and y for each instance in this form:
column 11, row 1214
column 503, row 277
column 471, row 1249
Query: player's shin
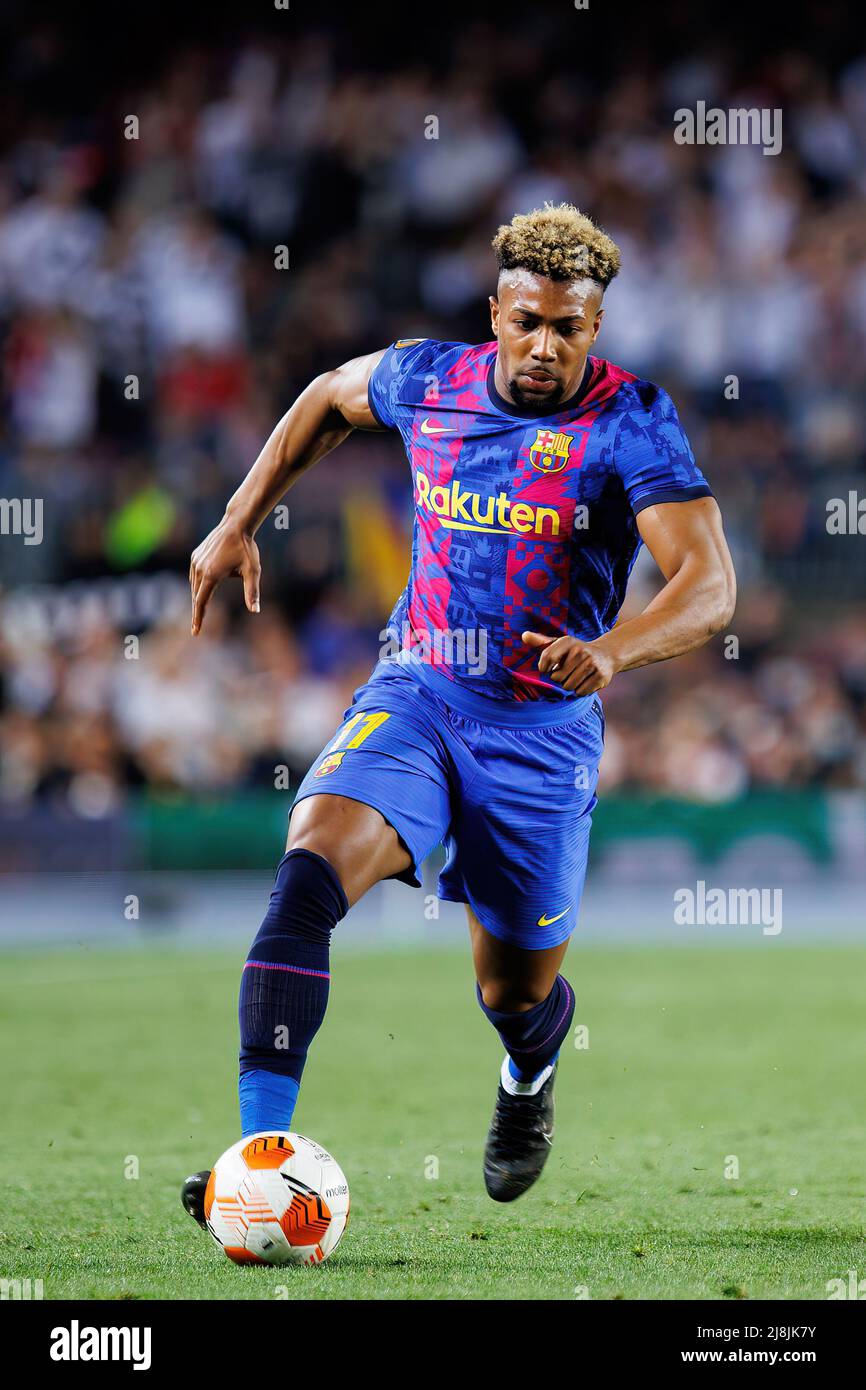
column 284, row 988
column 532, row 1039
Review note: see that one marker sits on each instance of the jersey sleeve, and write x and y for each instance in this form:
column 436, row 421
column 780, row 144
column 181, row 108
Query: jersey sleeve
column 389, row 381
column 654, row 459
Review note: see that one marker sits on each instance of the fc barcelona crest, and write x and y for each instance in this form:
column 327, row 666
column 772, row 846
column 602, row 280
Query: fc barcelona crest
column 550, row 452
column 330, row 763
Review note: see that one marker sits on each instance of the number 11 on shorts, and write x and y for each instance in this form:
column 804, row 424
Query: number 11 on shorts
column 365, row 723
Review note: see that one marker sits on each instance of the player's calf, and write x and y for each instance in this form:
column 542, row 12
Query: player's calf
column 532, row 1037
column 284, row 987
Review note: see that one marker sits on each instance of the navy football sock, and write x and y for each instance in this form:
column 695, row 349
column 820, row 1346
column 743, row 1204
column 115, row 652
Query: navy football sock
column 284, row 987
column 533, row 1038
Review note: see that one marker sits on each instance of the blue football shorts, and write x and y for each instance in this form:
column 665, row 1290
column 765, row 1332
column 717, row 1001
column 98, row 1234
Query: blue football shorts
column 508, row 790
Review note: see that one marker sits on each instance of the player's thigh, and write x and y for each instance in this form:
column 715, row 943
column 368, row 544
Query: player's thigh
column 511, row 977
column 355, row 839
column 379, row 790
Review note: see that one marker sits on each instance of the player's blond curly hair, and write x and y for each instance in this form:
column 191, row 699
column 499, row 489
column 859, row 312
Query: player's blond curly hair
column 560, row 242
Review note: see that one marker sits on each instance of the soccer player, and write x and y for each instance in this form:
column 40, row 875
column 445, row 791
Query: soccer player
column 537, row 470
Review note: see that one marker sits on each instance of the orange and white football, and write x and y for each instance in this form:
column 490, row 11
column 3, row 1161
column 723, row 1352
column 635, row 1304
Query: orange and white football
column 277, row 1199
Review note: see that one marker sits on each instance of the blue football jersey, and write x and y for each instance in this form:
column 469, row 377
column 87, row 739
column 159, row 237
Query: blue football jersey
column 524, row 520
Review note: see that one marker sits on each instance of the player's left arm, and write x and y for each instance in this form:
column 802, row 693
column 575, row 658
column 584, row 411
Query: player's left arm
column 688, row 544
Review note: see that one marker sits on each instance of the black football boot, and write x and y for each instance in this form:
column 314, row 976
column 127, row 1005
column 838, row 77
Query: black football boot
column 192, row 1196
column 520, row 1138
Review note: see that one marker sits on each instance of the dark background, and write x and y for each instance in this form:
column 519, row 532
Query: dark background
column 154, row 257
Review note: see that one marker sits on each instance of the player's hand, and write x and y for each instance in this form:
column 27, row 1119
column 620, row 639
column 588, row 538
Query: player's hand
column 228, row 550
column 582, row 667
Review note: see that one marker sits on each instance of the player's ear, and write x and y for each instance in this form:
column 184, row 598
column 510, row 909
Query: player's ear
column 596, row 324
column 494, row 315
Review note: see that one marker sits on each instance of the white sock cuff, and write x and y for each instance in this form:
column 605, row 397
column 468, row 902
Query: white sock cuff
column 523, row 1088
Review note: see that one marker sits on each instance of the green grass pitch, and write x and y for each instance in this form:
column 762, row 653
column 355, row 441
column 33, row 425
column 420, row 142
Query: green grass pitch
column 123, row 1062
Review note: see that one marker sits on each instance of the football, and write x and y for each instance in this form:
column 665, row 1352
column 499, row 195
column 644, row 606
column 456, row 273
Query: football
column 277, row 1199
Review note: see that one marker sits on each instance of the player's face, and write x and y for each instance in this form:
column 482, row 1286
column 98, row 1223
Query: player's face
column 545, row 330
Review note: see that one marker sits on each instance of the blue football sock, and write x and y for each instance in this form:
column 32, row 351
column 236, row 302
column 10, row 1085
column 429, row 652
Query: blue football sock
column 267, row 1101
column 284, row 987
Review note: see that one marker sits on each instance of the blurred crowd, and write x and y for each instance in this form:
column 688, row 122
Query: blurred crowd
column 178, row 263
column 90, row 713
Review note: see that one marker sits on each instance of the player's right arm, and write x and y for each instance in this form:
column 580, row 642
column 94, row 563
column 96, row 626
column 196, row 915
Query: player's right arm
column 333, row 405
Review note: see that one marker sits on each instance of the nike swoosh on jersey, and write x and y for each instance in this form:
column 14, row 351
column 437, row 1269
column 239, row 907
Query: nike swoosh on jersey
column 427, row 428
column 549, row 921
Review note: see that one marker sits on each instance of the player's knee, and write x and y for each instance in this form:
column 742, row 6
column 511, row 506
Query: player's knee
column 511, row 997
column 307, row 899
column 320, row 841
column 353, row 838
